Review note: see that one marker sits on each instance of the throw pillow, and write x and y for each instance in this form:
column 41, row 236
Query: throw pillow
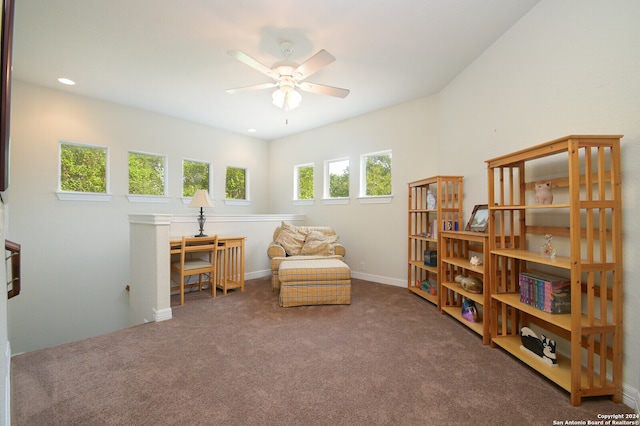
column 291, row 239
column 319, row 244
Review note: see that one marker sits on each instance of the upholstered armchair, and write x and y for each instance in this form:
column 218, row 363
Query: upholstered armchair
column 292, row 242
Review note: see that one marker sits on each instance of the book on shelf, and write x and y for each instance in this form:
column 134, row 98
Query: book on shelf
column 431, row 258
column 546, row 292
column 449, row 225
column 445, row 225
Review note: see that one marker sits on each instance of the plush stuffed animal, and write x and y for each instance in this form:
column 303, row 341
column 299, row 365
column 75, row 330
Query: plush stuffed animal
column 543, row 193
column 471, row 284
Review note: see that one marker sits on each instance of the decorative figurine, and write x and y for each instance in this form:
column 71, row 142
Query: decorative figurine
column 475, row 260
column 431, row 200
column 543, row 193
column 471, row 284
column 547, row 249
column 430, row 286
column 543, row 347
column 469, row 311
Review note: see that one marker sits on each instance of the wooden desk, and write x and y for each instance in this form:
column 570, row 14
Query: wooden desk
column 230, row 270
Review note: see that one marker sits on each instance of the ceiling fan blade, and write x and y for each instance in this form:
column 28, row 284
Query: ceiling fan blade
column 324, row 90
column 313, row 64
column 248, row 60
column 252, row 88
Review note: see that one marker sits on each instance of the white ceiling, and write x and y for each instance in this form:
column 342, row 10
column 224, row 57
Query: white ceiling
column 170, row 56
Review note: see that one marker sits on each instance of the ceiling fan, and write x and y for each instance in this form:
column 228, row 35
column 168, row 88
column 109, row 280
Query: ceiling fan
column 288, row 76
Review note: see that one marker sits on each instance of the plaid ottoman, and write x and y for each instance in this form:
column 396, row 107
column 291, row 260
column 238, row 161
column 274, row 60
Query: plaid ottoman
column 314, row 282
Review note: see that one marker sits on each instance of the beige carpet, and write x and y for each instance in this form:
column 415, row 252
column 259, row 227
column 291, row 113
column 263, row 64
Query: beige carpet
column 387, row 359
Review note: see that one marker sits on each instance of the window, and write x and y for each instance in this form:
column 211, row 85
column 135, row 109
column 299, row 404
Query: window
column 337, row 178
column 236, row 184
column 195, row 175
column 303, row 182
column 83, row 168
column 83, row 172
column 147, row 174
column 376, row 174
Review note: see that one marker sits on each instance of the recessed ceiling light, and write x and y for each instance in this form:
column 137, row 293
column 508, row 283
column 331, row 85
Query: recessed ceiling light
column 66, row 81
column 251, row 130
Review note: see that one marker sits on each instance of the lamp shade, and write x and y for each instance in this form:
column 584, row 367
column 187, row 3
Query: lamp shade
column 287, row 98
column 200, row 199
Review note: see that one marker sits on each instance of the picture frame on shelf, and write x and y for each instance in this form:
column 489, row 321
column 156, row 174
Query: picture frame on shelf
column 479, row 220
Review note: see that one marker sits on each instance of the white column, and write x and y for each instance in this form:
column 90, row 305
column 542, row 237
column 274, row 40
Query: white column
column 149, row 280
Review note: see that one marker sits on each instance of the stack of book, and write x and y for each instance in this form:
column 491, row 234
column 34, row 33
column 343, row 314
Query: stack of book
column 546, row 292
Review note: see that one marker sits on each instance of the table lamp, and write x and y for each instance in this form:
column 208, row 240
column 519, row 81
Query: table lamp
column 201, row 199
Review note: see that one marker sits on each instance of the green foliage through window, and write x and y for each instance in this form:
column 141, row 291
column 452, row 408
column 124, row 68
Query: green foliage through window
column 339, row 179
column 195, row 175
column 235, row 184
column 378, row 174
column 305, row 182
column 83, row 168
column 146, row 174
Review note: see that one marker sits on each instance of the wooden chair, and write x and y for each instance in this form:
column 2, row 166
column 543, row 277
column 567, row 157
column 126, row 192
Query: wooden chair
column 198, row 256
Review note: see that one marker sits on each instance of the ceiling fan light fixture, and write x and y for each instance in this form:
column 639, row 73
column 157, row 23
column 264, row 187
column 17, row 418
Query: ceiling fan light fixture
column 289, row 76
column 287, row 98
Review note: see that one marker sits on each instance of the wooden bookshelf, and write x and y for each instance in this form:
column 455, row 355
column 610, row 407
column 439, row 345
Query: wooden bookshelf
column 424, row 224
column 585, row 220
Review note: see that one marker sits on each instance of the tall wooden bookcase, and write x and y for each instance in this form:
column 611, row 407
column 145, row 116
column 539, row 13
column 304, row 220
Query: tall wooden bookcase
column 585, row 221
column 424, row 224
column 455, row 252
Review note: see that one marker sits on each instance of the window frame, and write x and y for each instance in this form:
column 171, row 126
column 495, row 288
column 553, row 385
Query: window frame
column 150, row 198
column 247, row 187
column 363, row 198
column 296, row 182
column 327, row 198
column 65, row 195
column 186, row 199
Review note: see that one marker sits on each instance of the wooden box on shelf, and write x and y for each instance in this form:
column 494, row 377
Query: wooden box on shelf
column 434, row 204
column 581, row 209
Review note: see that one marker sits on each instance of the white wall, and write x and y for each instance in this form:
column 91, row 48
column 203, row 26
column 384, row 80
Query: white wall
column 76, row 254
column 372, row 233
column 568, row 67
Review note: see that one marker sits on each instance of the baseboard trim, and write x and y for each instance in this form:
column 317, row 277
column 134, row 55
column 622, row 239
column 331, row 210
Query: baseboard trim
column 378, row 279
column 162, row 314
column 360, row 275
column 257, row 274
column 631, row 397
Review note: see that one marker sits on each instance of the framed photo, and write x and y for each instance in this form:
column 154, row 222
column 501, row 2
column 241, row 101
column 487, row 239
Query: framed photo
column 479, row 219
